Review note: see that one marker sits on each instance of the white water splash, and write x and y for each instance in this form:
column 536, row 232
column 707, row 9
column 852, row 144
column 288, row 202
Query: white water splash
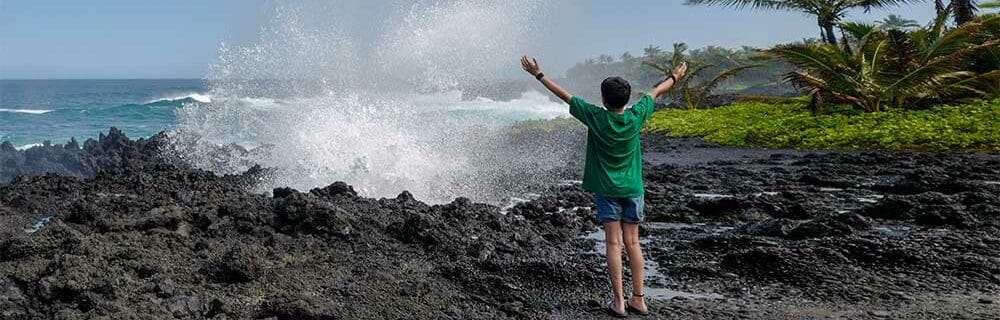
column 324, row 95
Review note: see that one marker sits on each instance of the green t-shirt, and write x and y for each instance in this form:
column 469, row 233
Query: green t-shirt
column 614, row 157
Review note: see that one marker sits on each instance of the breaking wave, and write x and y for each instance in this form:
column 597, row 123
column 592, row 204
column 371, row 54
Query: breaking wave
column 375, row 102
column 26, row 111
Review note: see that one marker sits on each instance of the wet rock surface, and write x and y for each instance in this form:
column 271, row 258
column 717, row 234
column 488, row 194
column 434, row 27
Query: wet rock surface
column 730, row 233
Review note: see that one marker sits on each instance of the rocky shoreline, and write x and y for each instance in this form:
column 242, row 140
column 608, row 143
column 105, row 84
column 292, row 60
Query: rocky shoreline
column 123, row 232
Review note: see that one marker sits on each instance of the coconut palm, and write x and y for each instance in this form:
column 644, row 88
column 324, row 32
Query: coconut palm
column 652, row 51
column 897, row 22
column 894, row 68
column 828, row 12
column 688, row 91
column 964, row 10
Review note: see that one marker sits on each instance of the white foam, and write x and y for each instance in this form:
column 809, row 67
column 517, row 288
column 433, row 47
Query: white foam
column 200, row 97
column 28, row 146
column 28, row 111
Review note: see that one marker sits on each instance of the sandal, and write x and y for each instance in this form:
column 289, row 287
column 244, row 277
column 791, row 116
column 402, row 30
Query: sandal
column 611, row 311
column 630, row 308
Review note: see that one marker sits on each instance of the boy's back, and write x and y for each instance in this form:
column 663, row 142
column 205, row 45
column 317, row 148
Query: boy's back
column 613, row 172
column 613, row 165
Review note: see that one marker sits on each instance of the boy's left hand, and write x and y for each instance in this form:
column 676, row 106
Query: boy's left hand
column 530, row 65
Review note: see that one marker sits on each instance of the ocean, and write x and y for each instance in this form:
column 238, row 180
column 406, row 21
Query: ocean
column 438, row 145
column 35, row 111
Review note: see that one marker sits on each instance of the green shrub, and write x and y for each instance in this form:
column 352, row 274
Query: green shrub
column 941, row 128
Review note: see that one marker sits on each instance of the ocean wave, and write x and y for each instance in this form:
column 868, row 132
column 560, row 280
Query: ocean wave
column 29, row 111
column 29, row 146
column 199, row 97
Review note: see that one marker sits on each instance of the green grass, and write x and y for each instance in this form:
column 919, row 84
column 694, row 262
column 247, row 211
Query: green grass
column 547, row 125
column 970, row 127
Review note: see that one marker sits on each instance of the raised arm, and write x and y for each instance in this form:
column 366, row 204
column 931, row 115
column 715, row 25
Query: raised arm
column 669, row 82
column 531, row 66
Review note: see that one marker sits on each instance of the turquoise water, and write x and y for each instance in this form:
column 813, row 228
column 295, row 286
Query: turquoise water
column 34, row 111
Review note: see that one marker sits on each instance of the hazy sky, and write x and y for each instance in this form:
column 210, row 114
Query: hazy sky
column 179, row 39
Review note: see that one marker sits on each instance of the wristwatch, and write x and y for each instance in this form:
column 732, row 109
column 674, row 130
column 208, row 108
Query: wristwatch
column 539, row 76
column 671, row 77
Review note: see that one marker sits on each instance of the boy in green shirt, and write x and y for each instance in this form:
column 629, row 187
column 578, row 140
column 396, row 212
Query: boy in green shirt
column 613, row 171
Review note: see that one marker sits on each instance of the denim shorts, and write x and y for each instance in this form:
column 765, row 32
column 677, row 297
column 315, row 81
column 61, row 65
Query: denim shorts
column 628, row 210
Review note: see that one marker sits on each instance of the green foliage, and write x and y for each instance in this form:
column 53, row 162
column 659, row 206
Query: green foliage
column 896, row 69
column 689, row 90
column 546, row 125
column 940, row 128
column 584, row 77
column 897, row 22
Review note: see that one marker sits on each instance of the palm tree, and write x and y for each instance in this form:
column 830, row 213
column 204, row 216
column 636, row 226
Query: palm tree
column 893, row 68
column 827, row 12
column 897, row 22
column 652, row 51
column 965, row 10
column 692, row 94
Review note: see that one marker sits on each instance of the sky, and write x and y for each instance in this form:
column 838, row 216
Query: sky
column 127, row 39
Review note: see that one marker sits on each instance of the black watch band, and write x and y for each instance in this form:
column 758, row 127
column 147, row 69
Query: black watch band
column 665, row 80
column 539, row 76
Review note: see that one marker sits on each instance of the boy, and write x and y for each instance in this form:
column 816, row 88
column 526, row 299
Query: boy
column 613, row 172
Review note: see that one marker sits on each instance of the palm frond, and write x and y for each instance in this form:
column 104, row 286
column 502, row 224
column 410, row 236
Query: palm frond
column 744, row 4
column 858, row 30
column 709, row 86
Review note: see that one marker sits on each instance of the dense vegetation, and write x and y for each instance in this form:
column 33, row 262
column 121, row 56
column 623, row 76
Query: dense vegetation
column 693, row 90
column 882, row 68
column 969, row 127
column 893, row 84
column 763, row 80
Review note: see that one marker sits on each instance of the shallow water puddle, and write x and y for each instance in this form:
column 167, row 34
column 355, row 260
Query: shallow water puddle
column 652, row 270
column 669, row 294
column 898, row 231
column 39, row 224
column 712, row 195
column 713, row 229
column 871, row 199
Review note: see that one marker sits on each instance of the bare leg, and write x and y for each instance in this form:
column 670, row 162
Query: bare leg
column 636, row 263
column 613, row 239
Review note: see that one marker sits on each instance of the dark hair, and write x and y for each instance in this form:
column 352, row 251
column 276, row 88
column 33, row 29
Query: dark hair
column 615, row 92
